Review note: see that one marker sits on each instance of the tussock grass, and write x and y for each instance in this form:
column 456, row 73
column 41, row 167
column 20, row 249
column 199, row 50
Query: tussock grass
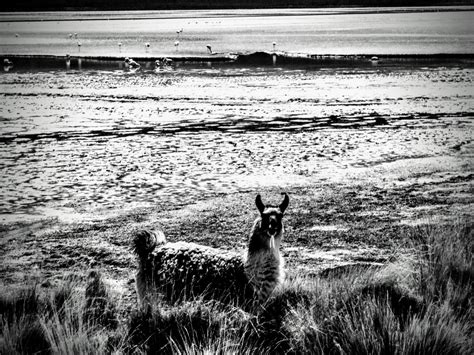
column 419, row 303
column 63, row 321
column 447, row 274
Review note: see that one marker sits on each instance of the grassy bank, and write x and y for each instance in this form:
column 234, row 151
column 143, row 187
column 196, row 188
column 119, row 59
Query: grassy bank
column 417, row 303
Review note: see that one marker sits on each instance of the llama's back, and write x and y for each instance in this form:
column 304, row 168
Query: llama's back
column 182, row 270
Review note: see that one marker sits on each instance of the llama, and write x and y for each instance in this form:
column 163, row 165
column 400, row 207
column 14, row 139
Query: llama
column 183, row 270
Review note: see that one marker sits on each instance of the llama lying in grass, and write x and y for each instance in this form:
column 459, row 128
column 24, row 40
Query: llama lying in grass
column 185, row 270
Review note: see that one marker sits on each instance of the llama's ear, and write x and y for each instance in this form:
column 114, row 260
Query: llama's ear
column 259, row 203
column 285, row 203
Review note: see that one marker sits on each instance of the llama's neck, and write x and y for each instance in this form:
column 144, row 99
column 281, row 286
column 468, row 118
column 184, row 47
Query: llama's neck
column 264, row 265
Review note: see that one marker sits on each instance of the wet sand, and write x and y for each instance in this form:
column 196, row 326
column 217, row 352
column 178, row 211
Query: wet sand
column 106, row 139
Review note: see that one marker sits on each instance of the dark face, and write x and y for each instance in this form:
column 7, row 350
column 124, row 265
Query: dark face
column 271, row 216
column 271, row 221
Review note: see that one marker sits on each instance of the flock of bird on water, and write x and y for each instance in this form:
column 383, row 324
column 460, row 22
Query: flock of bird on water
column 160, row 64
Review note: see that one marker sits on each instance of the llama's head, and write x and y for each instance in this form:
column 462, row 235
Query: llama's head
column 271, row 217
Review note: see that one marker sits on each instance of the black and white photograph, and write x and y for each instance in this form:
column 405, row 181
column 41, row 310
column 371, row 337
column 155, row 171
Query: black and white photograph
column 237, row 177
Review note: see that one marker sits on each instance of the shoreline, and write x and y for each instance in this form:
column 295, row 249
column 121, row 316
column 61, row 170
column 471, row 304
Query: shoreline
column 260, row 57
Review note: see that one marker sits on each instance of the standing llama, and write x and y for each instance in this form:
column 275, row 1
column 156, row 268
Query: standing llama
column 185, row 270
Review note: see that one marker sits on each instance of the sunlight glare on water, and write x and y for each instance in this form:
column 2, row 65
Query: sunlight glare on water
column 234, row 31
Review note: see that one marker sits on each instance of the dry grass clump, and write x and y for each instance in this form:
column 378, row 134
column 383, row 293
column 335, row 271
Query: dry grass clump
column 21, row 331
column 418, row 304
column 189, row 325
column 62, row 321
column 447, row 274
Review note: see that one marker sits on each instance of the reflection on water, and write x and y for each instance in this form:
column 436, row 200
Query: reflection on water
column 240, row 64
column 110, row 138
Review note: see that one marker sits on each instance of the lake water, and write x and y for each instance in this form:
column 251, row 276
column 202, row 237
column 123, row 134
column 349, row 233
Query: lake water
column 330, row 31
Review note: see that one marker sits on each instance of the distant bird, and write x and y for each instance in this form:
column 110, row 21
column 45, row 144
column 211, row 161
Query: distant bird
column 120, row 47
column 179, row 32
column 147, row 46
column 374, row 61
column 130, row 63
column 79, row 46
column 7, row 64
column 17, row 35
column 163, row 64
column 209, row 49
column 274, row 46
column 176, row 44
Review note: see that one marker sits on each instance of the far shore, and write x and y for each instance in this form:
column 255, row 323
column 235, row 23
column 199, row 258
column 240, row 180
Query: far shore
column 74, row 15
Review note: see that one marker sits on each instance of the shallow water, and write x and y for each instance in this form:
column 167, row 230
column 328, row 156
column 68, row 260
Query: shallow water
column 82, row 140
column 332, row 31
